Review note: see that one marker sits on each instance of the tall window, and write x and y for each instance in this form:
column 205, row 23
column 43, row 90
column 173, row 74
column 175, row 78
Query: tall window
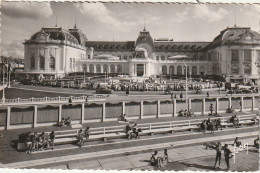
column 32, row 62
column 91, row 68
column 112, row 68
column 248, row 55
column 52, row 63
column 194, row 70
column 157, row 58
column 84, row 68
column 164, row 70
column 42, row 62
column 162, row 58
column 247, row 69
column 234, row 55
column 105, row 68
column 172, row 70
column 179, row 70
column 119, row 69
column 98, row 68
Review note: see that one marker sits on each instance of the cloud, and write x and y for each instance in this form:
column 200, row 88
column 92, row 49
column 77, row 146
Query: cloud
column 205, row 12
column 13, row 48
column 27, row 9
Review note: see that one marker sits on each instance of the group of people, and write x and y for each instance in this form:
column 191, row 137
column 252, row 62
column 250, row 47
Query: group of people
column 81, row 135
column 186, row 113
column 158, row 161
column 35, row 142
column 65, row 122
column 211, row 125
column 234, row 120
column 132, row 131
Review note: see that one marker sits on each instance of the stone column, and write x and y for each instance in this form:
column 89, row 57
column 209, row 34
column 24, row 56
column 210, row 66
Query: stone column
column 123, row 108
column 229, row 102
column 217, row 104
column 174, row 108
column 158, row 108
column 189, row 104
column 253, row 103
column 141, row 109
column 60, row 110
column 242, row 104
column 82, row 112
column 35, row 116
column 104, row 112
column 8, row 118
column 203, row 106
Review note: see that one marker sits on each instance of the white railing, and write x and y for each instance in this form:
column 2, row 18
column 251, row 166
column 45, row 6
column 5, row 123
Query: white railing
column 52, row 100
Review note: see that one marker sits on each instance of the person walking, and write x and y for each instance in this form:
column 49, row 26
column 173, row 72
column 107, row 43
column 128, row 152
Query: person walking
column 227, row 153
column 211, row 109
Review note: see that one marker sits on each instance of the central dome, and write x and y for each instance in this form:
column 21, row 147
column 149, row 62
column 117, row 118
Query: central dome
column 144, row 38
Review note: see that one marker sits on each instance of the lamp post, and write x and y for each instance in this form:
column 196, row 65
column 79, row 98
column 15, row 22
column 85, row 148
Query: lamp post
column 84, row 75
column 3, row 97
column 186, row 82
column 170, row 74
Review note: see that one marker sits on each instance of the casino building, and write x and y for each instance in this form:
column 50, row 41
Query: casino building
column 56, row 52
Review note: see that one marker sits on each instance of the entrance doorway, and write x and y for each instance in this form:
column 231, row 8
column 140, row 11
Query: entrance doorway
column 140, row 69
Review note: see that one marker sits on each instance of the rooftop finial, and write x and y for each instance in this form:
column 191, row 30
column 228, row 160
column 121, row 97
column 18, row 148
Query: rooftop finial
column 56, row 21
column 75, row 26
column 235, row 25
column 144, row 26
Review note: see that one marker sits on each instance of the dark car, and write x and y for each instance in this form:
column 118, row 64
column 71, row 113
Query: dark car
column 104, row 91
column 26, row 82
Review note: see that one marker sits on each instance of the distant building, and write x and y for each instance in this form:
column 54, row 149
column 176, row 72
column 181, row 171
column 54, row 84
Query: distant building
column 233, row 54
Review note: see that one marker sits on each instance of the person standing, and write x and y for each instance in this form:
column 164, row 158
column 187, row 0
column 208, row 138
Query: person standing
column 52, row 139
column 218, row 155
column 207, row 94
column 211, row 109
column 227, row 153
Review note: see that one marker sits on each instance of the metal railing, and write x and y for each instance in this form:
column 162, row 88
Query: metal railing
column 33, row 100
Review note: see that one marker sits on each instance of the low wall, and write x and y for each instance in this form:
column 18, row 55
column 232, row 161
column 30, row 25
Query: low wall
column 12, row 117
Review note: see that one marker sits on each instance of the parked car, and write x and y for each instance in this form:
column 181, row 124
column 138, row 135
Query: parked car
column 104, row 91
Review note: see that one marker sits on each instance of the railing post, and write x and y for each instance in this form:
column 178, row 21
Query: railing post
column 174, row 108
column 158, row 108
column 35, row 116
column 104, row 130
column 203, row 106
column 46, row 99
column 82, row 112
column 189, row 104
column 123, row 107
column 104, row 112
column 229, row 102
column 242, row 104
column 253, row 103
column 8, row 118
column 18, row 100
column 217, row 104
column 59, row 98
column 32, row 99
column 60, row 110
column 141, row 109
column 150, row 126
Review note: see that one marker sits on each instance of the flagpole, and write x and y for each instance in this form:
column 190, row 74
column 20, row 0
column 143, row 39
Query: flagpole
column 3, row 97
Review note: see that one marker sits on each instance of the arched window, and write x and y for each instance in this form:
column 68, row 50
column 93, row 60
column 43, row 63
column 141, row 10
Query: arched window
column 202, row 69
column 105, row 68
column 98, row 68
column 235, row 69
column 84, row 68
column 52, row 63
column 194, row 70
column 32, row 62
column 179, row 70
column 119, row 68
column 112, row 68
column 188, row 71
column 171, row 70
column 247, row 69
column 164, row 70
column 91, row 68
column 42, row 62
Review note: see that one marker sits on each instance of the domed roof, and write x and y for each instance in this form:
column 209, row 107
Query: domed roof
column 144, row 37
column 236, row 35
column 79, row 35
column 54, row 34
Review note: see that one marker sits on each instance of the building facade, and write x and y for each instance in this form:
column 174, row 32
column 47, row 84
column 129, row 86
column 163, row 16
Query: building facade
column 233, row 54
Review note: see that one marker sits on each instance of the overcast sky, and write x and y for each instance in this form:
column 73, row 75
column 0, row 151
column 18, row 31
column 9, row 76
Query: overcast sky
column 123, row 21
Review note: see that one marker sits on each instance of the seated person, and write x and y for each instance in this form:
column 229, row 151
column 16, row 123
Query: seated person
column 166, row 157
column 208, row 122
column 62, row 123
column 256, row 143
column 230, row 110
column 122, row 118
column 181, row 113
column 234, row 120
column 256, row 118
column 190, row 113
column 80, row 138
column 155, row 160
column 237, row 143
column 67, row 121
column 52, row 139
column 35, row 144
column 218, row 123
column 185, row 113
column 43, row 140
column 87, row 132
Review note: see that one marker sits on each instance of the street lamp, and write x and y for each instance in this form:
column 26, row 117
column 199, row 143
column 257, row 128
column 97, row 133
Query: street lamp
column 186, row 81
